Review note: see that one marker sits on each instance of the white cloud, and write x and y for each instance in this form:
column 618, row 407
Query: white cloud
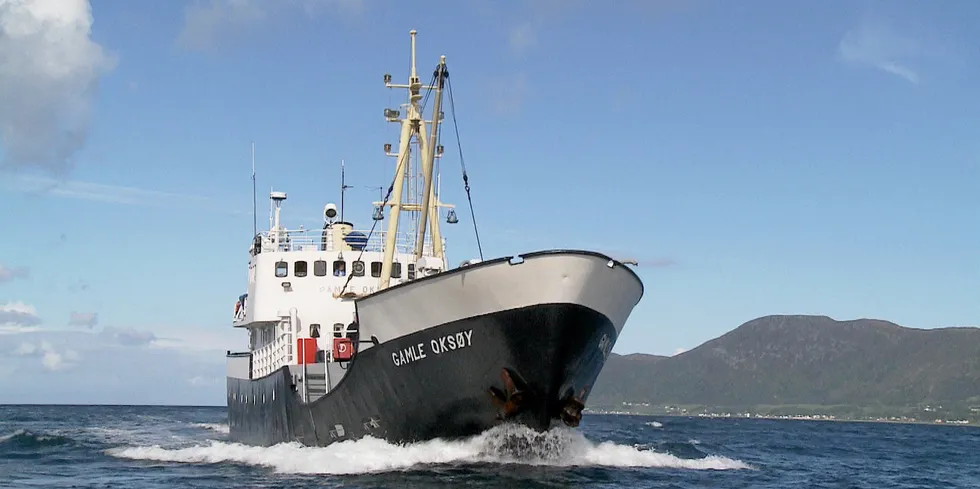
column 203, row 25
column 128, row 336
column 17, row 317
column 11, row 329
column 25, row 349
column 91, row 365
column 206, row 24
column 54, row 360
column 679, row 350
column 49, row 72
column 206, row 344
column 9, row 274
column 880, row 47
column 87, row 319
column 903, row 48
column 112, row 194
column 50, row 358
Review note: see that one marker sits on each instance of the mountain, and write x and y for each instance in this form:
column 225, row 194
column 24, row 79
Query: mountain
column 804, row 360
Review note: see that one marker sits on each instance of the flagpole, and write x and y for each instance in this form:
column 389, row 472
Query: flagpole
column 255, row 222
column 343, row 189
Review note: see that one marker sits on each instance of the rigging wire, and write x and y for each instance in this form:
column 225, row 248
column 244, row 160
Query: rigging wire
column 462, row 164
column 384, row 202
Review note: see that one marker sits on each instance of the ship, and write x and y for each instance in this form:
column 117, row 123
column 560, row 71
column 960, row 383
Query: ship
column 369, row 332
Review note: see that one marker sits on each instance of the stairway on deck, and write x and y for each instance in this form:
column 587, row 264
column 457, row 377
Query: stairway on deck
column 316, row 385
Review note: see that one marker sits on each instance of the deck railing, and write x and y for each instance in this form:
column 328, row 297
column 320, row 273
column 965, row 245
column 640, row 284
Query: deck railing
column 273, row 356
column 318, row 239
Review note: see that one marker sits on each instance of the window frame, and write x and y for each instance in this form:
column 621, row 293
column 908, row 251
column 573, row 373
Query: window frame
column 342, row 267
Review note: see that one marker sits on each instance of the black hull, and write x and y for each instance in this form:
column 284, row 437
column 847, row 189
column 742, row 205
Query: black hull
column 553, row 353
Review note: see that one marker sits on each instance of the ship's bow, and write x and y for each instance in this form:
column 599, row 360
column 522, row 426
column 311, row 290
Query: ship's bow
column 506, row 340
column 547, row 362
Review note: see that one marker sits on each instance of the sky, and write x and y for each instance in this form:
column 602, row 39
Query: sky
column 755, row 158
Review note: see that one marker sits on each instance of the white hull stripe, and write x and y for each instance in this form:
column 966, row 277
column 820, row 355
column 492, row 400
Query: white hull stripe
column 562, row 277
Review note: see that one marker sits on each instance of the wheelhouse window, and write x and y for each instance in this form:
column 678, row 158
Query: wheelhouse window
column 338, row 330
column 396, row 270
column 411, row 271
column 357, row 268
column 299, row 269
column 339, row 268
column 320, row 268
column 375, row 269
column 282, row 269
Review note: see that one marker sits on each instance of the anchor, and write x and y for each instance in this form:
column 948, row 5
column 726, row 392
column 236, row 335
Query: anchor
column 571, row 410
column 515, row 396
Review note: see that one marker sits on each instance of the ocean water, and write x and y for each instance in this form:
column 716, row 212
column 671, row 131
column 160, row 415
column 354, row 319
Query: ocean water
column 186, row 447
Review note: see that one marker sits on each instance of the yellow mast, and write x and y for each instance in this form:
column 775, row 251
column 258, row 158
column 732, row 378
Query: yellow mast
column 428, row 157
column 413, row 124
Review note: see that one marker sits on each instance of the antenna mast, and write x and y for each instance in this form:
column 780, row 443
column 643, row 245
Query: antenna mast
column 255, row 218
column 343, row 189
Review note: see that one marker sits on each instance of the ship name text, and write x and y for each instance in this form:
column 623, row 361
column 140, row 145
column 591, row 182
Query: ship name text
column 337, row 289
column 436, row 346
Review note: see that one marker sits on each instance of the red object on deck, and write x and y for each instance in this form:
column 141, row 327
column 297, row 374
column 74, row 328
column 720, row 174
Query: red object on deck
column 307, row 354
column 343, row 349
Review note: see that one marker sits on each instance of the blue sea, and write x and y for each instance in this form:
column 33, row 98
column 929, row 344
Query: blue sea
column 186, row 447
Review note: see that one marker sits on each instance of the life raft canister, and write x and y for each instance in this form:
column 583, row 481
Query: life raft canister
column 343, row 349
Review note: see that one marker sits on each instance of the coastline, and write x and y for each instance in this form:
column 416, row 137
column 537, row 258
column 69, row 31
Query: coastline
column 801, row 417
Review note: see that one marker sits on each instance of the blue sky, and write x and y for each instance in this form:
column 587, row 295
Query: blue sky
column 755, row 158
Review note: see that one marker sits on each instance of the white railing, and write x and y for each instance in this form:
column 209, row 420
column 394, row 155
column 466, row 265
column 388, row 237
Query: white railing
column 273, row 356
column 318, row 239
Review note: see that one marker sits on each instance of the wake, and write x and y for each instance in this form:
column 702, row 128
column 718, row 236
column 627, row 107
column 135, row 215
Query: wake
column 500, row 445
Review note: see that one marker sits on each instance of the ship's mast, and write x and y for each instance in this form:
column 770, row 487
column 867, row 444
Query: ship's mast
column 428, row 159
column 343, row 189
column 414, row 125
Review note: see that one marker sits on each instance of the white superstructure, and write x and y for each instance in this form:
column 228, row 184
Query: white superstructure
column 302, row 283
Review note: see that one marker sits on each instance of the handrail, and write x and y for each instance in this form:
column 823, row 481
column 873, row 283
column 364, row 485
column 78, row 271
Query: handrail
column 323, row 240
column 273, row 356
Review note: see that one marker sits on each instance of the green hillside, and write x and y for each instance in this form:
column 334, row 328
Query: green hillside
column 804, row 360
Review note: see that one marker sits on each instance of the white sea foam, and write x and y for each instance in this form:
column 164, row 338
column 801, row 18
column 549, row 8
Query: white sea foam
column 655, row 424
column 4, row 438
column 218, row 427
column 504, row 444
